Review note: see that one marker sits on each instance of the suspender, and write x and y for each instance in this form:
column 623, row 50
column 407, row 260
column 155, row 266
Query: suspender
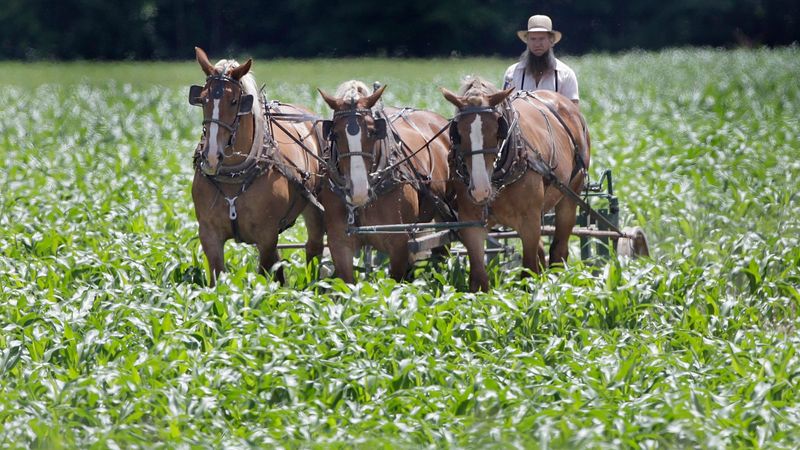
column 522, row 85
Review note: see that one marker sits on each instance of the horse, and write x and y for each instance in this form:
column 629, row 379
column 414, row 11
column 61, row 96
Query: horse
column 511, row 158
column 256, row 167
column 385, row 166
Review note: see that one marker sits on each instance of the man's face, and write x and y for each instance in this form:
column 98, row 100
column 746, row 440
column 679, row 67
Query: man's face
column 539, row 42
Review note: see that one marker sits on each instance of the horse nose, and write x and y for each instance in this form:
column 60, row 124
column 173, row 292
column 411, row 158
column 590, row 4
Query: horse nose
column 359, row 197
column 210, row 161
column 480, row 194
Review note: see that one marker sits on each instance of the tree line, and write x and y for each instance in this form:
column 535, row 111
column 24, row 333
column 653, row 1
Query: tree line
column 169, row 29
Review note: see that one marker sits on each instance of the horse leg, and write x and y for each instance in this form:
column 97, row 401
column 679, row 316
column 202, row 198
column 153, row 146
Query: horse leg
column 473, row 239
column 564, row 222
column 214, row 248
column 342, row 254
column 316, row 232
column 398, row 259
column 531, row 236
column 268, row 256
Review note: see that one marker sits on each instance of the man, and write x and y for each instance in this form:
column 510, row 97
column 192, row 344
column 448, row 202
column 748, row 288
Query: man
column 538, row 68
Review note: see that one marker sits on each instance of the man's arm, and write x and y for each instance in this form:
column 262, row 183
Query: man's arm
column 569, row 87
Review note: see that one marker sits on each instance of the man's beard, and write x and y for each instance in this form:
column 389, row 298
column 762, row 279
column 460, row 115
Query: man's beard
column 538, row 64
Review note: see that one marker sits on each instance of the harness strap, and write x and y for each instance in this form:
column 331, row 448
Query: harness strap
column 361, row 154
column 580, row 163
column 539, row 166
column 506, row 160
column 522, row 85
column 443, row 208
column 233, row 215
column 426, row 145
column 300, row 143
column 231, row 128
column 484, row 151
column 260, row 164
column 412, row 154
column 294, row 117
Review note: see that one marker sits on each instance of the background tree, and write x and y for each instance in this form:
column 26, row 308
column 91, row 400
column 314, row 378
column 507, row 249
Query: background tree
column 166, row 29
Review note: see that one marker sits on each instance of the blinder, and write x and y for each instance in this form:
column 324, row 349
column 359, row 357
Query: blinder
column 502, row 128
column 352, row 126
column 327, row 127
column 502, row 124
column 455, row 138
column 194, row 95
column 245, row 105
column 245, row 101
column 380, row 128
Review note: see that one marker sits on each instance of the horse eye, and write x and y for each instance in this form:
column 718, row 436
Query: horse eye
column 233, row 102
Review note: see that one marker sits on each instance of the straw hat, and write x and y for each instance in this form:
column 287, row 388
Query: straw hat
column 539, row 23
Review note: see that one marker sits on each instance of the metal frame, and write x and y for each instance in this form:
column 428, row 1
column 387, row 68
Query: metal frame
column 595, row 236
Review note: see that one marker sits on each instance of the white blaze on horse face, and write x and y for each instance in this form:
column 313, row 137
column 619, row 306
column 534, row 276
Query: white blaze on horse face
column 480, row 187
column 213, row 130
column 359, row 189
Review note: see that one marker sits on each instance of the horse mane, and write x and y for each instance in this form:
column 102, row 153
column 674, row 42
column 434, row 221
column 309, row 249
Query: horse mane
column 350, row 91
column 248, row 82
column 474, row 87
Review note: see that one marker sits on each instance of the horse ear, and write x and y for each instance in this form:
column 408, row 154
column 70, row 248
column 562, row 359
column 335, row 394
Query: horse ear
column 457, row 101
column 498, row 97
column 202, row 59
column 242, row 70
column 373, row 98
column 333, row 102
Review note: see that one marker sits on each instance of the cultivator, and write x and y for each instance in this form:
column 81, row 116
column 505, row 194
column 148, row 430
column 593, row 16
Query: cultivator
column 597, row 228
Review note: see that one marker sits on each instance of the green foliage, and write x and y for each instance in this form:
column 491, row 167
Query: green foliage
column 111, row 339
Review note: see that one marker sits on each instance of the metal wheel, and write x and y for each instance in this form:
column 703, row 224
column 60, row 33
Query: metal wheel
column 635, row 245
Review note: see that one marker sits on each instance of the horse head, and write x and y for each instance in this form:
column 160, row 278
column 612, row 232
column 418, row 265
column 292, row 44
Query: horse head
column 476, row 134
column 227, row 96
column 352, row 135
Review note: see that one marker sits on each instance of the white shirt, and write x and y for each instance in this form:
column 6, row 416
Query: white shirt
column 517, row 76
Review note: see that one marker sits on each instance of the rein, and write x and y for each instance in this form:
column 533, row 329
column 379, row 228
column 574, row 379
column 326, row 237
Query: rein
column 414, row 153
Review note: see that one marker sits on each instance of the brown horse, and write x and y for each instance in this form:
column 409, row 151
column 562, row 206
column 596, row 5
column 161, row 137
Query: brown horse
column 255, row 167
column 385, row 166
column 507, row 158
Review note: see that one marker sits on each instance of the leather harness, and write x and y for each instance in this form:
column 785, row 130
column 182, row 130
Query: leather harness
column 258, row 162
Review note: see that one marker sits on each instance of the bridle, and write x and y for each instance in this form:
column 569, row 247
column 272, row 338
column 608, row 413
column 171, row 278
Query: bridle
column 376, row 179
column 459, row 155
column 455, row 138
column 352, row 128
column 216, row 84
